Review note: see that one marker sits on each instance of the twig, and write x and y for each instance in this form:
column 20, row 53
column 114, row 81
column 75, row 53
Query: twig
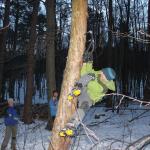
column 139, row 144
column 97, row 123
column 137, row 117
column 1, row 30
column 129, row 97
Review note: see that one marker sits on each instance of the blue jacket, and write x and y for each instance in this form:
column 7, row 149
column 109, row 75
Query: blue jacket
column 53, row 107
column 11, row 117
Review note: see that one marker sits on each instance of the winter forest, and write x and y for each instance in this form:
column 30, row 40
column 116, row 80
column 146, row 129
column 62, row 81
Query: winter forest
column 74, row 74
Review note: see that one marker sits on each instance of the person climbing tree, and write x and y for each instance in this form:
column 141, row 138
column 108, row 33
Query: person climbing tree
column 91, row 88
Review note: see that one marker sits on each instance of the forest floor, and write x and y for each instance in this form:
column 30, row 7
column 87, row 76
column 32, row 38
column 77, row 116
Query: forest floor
column 29, row 137
column 114, row 130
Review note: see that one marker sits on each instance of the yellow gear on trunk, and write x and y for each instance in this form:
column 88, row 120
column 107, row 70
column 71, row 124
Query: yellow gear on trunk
column 70, row 97
column 66, row 132
column 62, row 134
column 76, row 92
column 69, row 132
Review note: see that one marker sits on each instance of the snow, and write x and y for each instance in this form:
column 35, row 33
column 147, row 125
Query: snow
column 29, row 137
column 115, row 131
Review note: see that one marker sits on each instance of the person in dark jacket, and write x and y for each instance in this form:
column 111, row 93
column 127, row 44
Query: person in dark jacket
column 11, row 122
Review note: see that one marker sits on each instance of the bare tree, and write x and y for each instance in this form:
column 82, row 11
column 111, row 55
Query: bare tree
column 50, row 53
column 71, row 73
column 3, row 34
column 110, row 28
column 30, row 65
column 147, row 87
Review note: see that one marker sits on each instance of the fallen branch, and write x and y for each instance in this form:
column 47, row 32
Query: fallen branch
column 129, row 97
column 137, row 117
column 140, row 143
column 99, row 122
column 129, row 109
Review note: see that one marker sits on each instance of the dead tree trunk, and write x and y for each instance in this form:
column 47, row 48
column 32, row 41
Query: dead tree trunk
column 50, row 53
column 3, row 42
column 30, row 65
column 71, row 73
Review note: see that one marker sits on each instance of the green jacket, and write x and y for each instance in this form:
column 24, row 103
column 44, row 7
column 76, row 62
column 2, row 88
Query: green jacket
column 95, row 89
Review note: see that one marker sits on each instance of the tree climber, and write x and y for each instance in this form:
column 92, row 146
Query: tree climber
column 91, row 88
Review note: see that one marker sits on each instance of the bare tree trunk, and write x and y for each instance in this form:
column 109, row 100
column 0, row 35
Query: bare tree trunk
column 11, row 85
column 30, row 65
column 50, row 53
column 71, row 73
column 3, row 42
column 125, row 48
column 110, row 26
column 16, row 28
column 147, row 87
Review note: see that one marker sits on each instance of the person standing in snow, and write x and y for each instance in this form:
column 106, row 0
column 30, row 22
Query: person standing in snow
column 53, row 104
column 11, row 122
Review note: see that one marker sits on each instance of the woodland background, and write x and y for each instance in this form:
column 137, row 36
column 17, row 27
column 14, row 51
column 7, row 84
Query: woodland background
column 34, row 42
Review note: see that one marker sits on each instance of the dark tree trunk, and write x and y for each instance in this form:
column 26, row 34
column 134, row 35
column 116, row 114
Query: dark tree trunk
column 125, row 48
column 11, row 86
column 110, row 26
column 16, row 28
column 147, row 87
column 3, row 35
column 50, row 53
column 30, row 65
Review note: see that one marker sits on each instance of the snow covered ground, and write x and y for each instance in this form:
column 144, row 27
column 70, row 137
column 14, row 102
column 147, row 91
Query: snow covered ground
column 115, row 131
column 30, row 137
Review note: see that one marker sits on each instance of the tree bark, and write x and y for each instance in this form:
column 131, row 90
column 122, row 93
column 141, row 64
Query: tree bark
column 71, row 73
column 50, row 53
column 16, row 27
column 110, row 26
column 147, row 87
column 30, row 65
column 50, row 45
column 125, row 48
column 3, row 34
